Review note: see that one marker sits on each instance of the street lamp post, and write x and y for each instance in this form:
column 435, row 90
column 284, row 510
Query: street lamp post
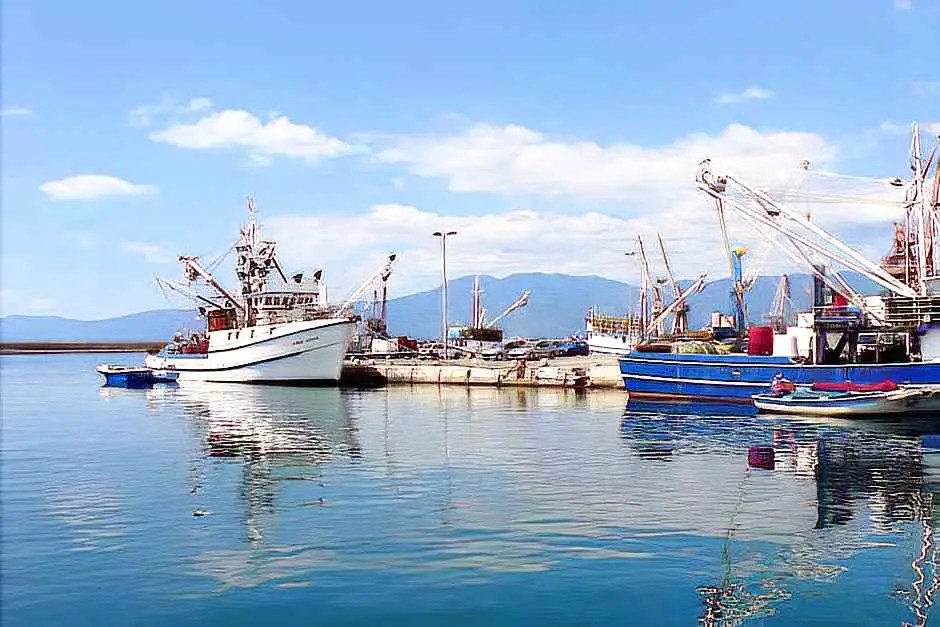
column 444, row 235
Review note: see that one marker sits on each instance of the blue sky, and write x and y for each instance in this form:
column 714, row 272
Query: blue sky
column 547, row 133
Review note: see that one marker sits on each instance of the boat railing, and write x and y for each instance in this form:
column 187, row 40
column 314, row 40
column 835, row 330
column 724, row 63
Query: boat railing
column 301, row 314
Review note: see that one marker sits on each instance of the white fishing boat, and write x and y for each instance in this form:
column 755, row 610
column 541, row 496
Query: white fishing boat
column 274, row 329
column 621, row 335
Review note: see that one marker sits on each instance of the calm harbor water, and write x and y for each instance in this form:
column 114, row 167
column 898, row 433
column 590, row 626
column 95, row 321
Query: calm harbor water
column 249, row 505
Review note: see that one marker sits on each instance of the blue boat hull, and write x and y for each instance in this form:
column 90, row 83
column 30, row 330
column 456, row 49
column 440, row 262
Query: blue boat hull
column 734, row 378
column 121, row 376
column 129, row 380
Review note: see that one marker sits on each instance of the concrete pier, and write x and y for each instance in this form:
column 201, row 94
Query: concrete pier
column 565, row 372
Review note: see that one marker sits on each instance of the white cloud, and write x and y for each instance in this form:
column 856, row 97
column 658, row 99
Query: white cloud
column 901, row 129
column 145, row 114
column 236, row 129
column 152, row 253
column 750, row 93
column 657, row 184
column 526, row 241
column 894, row 128
column 902, row 5
column 15, row 111
column 515, row 159
column 13, row 302
column 92, row 186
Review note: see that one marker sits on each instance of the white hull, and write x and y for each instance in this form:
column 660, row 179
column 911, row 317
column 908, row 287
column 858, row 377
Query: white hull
column 903, row 401
column 609, row 344
column 311, row 351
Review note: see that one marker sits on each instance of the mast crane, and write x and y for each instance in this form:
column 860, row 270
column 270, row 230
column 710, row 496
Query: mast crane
column 381, row 274
column 680, row 323
column 800, row 237
column 679, row 302
column 519, row 303
column 778, row 317
column 648, row 284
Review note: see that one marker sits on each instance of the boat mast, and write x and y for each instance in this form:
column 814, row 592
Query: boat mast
column 917, row 196
column 778, row 313
column 476, row 305
column 680, row 324
column 645, row 285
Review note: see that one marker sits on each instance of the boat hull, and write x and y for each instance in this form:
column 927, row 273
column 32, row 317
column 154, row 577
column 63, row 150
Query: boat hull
column 130, row 377
column 864, row 404
column 600, row 344
column 735, row 378
column 308, row 352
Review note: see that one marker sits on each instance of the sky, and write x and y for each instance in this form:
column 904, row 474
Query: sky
column 548, row 134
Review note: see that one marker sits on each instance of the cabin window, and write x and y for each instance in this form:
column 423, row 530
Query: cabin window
column 229, row 335
column 267, row 300
column 252, row 333
column 237, row 333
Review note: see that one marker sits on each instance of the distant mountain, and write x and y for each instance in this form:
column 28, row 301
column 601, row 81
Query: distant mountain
column 557, row 306
column 559, row 302
column 145, row 326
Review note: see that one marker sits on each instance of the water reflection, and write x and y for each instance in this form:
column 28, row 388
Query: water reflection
column 879, row 476
column 460, row 483
column 277, row 434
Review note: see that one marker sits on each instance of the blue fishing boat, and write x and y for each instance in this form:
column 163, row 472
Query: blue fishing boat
column 134, row 377
column 847, row 336
column 734, row 378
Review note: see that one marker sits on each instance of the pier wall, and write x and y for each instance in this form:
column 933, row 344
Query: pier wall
column 570, row 372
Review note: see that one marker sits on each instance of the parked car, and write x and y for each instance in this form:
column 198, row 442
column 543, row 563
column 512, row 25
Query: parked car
column 573, row 347
column 520, row 351
column 497, row 352
column 435, row 350
column 544, row 349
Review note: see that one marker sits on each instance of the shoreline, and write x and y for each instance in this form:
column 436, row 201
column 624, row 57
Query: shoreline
column 72, row 346
column 600, row 371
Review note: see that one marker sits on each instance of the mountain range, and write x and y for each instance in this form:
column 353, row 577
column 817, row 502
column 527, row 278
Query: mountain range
column 556, row 308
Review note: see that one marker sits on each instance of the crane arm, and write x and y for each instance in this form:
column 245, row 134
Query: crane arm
column 775, row 217
column 520, row 302
column 192, row 268
column 382, row 274
column 695, row 288
column 669, row 273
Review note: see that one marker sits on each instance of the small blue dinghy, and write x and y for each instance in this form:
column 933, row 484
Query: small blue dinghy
column 133, row 376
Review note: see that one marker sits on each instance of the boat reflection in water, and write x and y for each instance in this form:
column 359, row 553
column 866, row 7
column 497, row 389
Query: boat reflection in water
column 278, row 434
column 871, row 478
column 455, row 486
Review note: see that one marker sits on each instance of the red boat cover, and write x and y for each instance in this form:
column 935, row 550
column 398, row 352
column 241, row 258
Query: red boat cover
column 884, row 386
